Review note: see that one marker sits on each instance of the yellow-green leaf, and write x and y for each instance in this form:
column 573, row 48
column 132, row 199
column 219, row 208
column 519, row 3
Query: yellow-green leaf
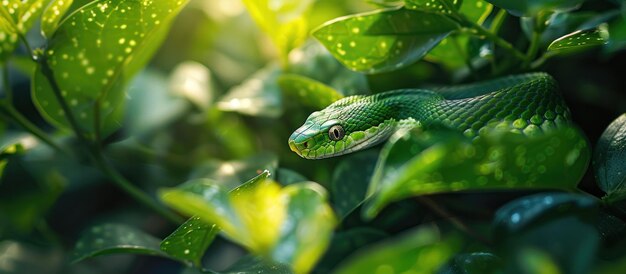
column 16, row 18
column 52, row 15
column 291, row 225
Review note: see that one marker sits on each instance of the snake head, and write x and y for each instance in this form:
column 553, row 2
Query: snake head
column 350, row 124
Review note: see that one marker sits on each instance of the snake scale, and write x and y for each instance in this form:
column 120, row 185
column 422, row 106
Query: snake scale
column 529, row 104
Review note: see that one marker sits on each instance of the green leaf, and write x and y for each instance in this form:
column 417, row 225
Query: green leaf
column 421, row 251
column 473, row 263
column 608, row 160
column 259, row 95
column 444, row 7
column 421, row 162
column 115, row 239
column 454, row 50
column 543, row 231
column 190, row 240
column 383, row 40
column 530, row 8
column 579, row 40
column 16, row 18
column 314, row 61
column 307, row 91
column 94, row 53
column 264, row 218
column 283, row 20
column 52, row 16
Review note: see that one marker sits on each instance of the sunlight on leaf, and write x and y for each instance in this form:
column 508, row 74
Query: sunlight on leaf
column 115, row 239
column 307, row 91
column 581, row 39
column 230, row 174
column 291, row 225
column 421, row 252
column 259, row 95
column 251, row 264
column 190, row 240
column 52, row 16
column 608, row 160
column 94, row 53
column 383, row 40
column 193, row 81
column 446, row 161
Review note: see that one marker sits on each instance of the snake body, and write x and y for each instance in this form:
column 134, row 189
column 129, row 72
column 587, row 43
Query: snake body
column 529, row 104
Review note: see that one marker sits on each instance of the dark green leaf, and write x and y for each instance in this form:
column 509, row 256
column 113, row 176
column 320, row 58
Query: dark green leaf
column 421, row 251
column 433, row 161
column 608, row 159
column 345, row 243
column 190, row 240
column 544, row 231
column 115, row 239
column 444, row 7
column 531, row 8
column 287, row 176
column 307, row 91
column 617, row 40
column 383, row 40
column 251, row 264
column 348, row 188
column 473, row 263
column 52, row 16
column 94, row 53
column 259, row 95
column 579, row 40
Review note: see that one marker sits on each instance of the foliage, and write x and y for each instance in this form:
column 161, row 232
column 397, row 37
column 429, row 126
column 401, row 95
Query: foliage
column 119, row 117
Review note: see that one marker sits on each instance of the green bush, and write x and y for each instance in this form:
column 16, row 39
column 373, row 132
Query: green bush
column 119, row 117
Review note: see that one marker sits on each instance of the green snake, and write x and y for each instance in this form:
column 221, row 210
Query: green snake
column 529, row 104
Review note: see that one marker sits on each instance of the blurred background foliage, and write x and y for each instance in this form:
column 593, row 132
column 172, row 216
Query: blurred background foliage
column 220, row 98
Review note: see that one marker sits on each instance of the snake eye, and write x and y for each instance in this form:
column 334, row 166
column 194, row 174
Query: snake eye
column 336, row 133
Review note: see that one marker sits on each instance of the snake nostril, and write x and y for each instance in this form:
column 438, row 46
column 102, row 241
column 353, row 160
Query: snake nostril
column 306, row 144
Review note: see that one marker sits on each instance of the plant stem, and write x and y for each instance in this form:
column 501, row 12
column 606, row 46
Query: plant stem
column 8, row 110
column 533, row 48
column 96, row 154
column 28, row 47
column 453, row 220
column 17, row 117
column 132, row 190
column 497, row 22
column 478, row 30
